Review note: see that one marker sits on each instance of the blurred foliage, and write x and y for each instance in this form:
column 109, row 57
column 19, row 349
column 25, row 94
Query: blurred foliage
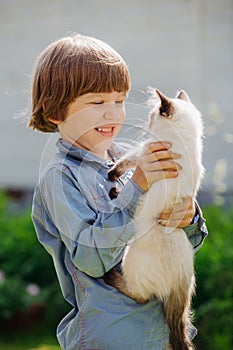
column 27, row 275
column 39, row 338
column 214, row 293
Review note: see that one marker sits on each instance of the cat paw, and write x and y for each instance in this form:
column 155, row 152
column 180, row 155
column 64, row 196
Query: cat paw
column 113, row 193
column 114, row 174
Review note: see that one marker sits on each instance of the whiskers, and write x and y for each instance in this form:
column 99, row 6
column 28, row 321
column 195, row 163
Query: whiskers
column 136, row 129
column 136, row 126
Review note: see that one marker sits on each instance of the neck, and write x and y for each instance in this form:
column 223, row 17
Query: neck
column 103, row 154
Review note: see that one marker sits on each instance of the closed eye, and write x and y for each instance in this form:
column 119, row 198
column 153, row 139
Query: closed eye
column 97, row 102
column 100, row 102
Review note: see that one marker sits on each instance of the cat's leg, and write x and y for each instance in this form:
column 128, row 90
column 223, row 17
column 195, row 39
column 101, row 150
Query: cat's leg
column 116, row 280
column 120, row 167
column 128, row 161
column 116, row 171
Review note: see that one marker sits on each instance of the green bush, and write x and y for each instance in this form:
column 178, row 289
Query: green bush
column 214, row 300
column 27, row 274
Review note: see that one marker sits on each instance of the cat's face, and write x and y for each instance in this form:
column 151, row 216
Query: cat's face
column 178, row 112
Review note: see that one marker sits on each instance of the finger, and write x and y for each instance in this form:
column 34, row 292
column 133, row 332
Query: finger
column 173, row 218
column 175, row 223
column 161, row 155
column 157, row 146
column 162, row 165
column 186, row 208
column 180, row 210
column 182, row 215
column 187, row 205
column 161, row 175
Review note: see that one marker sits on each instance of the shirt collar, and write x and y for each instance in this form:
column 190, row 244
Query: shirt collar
column 115, row 152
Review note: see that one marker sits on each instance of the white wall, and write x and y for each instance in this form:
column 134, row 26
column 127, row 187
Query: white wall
column 168, row 44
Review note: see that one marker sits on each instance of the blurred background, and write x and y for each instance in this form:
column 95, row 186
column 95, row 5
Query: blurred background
column 169, row 44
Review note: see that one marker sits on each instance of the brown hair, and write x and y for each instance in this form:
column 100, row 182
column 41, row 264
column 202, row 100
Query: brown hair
column 71, row 67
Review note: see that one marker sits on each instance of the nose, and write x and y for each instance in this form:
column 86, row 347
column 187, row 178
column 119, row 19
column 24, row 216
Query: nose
column 111, row 113
column 109, row 116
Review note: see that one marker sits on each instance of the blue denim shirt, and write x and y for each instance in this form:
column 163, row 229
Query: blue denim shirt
column 86, row 233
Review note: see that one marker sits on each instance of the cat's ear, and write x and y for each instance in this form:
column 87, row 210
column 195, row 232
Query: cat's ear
column 167, row 108
column 182, row 95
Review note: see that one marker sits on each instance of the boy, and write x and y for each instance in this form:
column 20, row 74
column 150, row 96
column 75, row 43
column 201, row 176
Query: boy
column 79, row 87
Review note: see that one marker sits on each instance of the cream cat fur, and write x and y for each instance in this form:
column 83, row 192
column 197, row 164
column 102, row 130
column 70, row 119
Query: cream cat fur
column 159, row 260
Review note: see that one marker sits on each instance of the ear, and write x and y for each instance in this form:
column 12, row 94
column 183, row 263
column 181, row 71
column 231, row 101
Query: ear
column 182, row 95
column 167, row 108
column 54, row 121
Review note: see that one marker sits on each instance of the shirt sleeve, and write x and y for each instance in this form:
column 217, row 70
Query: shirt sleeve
column 197, row 231
column 95, row 240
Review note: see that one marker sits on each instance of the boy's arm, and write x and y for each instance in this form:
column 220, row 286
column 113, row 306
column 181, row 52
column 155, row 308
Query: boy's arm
column 95, row 240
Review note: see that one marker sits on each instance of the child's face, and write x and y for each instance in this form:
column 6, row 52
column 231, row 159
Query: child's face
column 94, row 120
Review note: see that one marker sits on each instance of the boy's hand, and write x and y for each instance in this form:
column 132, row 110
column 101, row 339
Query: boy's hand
column 156, row 163
column 181, row 214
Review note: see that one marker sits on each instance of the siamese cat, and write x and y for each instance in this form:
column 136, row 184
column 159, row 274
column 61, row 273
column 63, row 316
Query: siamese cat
column 158, row 262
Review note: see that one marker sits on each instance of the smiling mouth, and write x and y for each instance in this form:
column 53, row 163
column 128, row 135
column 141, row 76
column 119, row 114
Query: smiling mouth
column 105, row 131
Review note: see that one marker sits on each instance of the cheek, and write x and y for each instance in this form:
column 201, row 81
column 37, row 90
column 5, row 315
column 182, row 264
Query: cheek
column 78, row 124
column 122, row 115
column 87, row 119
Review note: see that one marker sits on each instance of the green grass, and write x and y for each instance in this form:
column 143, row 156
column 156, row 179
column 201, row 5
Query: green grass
column 25, row 347
column 38, row 339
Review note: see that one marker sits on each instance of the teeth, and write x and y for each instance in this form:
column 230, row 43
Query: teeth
column 104, row 129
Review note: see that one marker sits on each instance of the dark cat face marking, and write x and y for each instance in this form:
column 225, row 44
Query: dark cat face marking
column 167, row 108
